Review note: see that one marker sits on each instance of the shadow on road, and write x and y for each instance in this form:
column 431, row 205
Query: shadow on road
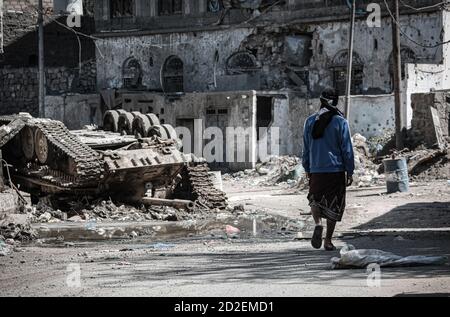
column 412, row 215
column 284, row 267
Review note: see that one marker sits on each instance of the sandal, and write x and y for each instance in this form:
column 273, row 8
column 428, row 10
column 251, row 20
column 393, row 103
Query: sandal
column 316, row 240
column 330, row 247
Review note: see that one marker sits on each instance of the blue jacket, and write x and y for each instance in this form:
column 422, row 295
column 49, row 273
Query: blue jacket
column 333, row 152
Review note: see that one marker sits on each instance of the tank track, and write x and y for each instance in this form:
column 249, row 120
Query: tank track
column 88, row 166
column 202, row 188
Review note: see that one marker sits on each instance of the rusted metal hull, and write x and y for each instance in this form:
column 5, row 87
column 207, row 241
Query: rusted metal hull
column 48, row 159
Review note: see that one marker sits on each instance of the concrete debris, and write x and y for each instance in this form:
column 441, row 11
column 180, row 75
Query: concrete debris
column 434, row 163
column 45, row 217
column 366, row 172
column 17, row 227
column 277, row 170
column 102, row 211
column 377, row 145
column 426, row 164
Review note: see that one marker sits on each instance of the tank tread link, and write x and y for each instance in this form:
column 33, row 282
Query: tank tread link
column 84, row 162
column 202, row 187
column 46, row 150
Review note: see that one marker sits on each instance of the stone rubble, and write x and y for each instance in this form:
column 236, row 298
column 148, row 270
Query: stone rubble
column 366, row 171
column 16, row 227
column 276, row 171
column 101, row 211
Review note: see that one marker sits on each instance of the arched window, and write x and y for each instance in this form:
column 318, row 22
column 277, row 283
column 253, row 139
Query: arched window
column 241, row 62
column 339, row 69
column 132, row 73
column 173, row 75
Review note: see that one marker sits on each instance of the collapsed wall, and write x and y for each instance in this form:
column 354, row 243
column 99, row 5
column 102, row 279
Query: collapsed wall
column 431, row 118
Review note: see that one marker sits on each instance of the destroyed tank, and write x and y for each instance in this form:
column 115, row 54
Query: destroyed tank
column 133, row 159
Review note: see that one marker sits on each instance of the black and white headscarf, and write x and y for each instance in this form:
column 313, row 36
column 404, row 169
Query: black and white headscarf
column 329, row 101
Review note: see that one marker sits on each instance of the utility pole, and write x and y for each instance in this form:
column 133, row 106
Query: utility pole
column 397, row 63
column 1, row 26
column 2, row 185
column 348, row 91
column 41, row 60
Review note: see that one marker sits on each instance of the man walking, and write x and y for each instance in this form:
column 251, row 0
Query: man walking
column 328, row 160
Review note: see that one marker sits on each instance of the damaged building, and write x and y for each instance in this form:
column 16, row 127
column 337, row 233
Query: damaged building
column 70, row 68
column 241, row 64
column 261, row 63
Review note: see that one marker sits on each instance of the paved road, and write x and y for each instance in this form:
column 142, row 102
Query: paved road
column 263, row 266
column 217, row 267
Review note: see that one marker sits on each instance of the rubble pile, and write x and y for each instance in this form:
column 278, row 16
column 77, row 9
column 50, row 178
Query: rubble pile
column 366, row 171
column 378, row 145
column 277, row 170
column 101, row 211
column 427, row 164
column 16, row 227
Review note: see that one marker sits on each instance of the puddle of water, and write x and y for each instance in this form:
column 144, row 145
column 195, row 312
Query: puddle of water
column 257, row 225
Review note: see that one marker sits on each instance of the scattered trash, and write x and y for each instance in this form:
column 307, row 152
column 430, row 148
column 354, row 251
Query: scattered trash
column 4, row 249
column 162, row 246
column 353, row 258
column 230, row 230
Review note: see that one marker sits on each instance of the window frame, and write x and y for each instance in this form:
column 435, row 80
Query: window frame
column 111, row 12
column 172, row 6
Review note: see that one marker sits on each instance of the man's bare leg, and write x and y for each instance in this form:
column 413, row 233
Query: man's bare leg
column 315, row 211
column 331, row 226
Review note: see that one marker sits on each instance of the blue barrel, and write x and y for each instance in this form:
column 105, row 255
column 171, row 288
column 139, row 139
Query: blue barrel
column 397, row 179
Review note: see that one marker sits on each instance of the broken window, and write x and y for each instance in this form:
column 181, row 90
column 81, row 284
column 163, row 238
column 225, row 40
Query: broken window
column 241, row 62
column 132, row 74
column 122, row 8
column 170, row 7
column 297, row 49
column 339, row 69
column 173, row 76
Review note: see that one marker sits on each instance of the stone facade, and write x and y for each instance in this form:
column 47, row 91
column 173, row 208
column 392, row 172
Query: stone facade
column 206, row 56
column 423, row 130
column 63, row 58
column 19, row 86
column 297, row 46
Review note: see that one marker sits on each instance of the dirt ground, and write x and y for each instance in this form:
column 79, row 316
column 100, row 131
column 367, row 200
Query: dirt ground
column 275, row 264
